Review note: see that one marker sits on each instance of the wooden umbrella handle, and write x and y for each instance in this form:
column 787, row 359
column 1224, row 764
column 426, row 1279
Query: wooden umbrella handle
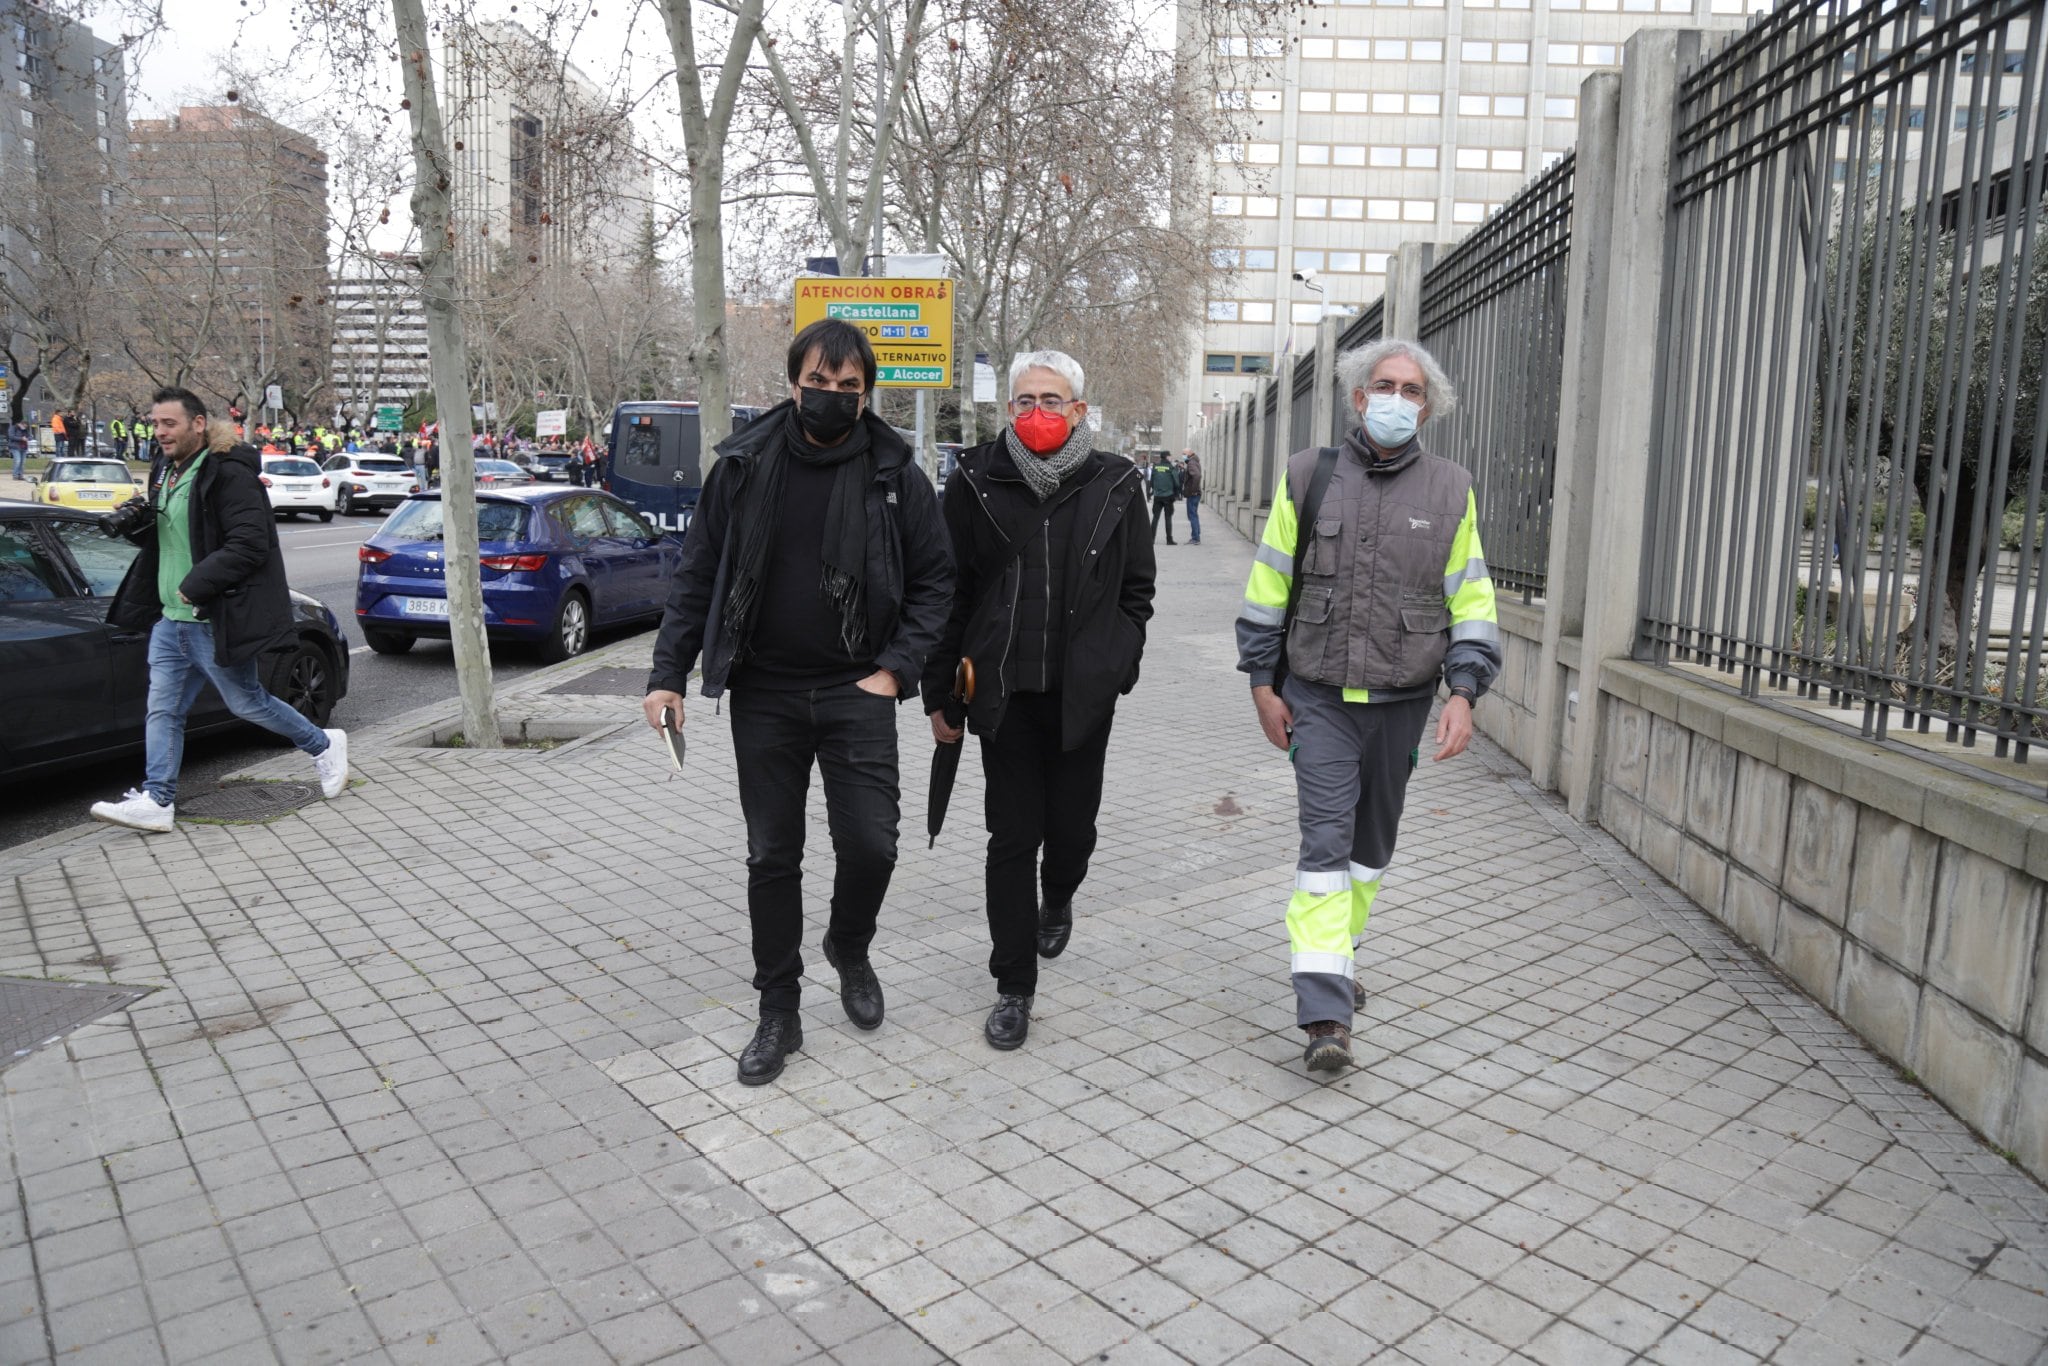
column 963, row 680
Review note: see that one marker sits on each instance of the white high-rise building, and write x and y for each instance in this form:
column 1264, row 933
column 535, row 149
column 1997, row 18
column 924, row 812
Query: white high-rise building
column 380, row 333
column 545, row 169
column 1370, row 125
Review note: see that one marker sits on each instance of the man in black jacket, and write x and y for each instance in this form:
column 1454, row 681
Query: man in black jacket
column 209, row 588
column 814, row 580
column 1053, row 591
column 1165, row 493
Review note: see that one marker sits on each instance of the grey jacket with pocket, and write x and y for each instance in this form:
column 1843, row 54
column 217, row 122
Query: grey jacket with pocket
column 1377, row 586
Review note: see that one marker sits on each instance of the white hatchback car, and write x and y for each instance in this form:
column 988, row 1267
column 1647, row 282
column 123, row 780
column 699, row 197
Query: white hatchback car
column 370, row 481
column 295, row 485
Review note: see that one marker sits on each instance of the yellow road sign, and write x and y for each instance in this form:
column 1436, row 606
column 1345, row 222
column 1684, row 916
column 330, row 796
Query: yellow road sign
column 910, row 323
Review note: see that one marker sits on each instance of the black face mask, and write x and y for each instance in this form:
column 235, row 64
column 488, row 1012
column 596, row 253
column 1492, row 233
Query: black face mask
column 827, row 414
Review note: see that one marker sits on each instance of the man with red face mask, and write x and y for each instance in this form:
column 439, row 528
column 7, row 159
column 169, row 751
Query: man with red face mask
column 1053, row 559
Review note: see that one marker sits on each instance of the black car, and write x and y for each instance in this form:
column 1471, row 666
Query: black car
column 74, row 689
column 549, row 466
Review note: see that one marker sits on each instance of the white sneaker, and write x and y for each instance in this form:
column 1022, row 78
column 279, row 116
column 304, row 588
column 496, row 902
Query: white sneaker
column 332, row 764
column 138, row 811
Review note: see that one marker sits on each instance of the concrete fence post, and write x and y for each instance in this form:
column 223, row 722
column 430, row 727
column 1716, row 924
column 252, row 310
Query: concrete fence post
column 1322, row 425
column 1240, row 461
column 1578, row 413
column 1283, row 415
column 1226, row 432
column 1254, row 517
column 1255, row 423
column 1403, row 315
column 1637, row 306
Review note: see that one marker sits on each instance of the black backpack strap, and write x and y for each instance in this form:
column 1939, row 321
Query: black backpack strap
column 1305, row 514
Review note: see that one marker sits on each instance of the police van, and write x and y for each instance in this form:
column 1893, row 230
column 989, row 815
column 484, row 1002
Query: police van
column 654, row 459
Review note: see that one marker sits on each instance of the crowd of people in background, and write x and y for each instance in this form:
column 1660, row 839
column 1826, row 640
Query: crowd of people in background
column 129, row 438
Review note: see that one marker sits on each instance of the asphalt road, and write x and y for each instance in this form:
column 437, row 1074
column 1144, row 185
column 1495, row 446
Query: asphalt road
column 319, row 561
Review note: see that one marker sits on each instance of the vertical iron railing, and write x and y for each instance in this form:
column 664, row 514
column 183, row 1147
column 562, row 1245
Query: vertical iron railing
column 1493, row 315
column 1846, row 492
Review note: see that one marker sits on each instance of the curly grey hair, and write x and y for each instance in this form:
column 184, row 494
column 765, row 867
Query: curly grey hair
column 1354, row 369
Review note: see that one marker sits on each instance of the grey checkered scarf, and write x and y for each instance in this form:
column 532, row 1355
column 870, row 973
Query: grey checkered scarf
column 1044, row 472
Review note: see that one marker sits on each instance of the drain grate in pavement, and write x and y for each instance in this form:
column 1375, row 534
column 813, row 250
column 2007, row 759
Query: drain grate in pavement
column 35, row 1014
column 607, row 683
column 249, row 801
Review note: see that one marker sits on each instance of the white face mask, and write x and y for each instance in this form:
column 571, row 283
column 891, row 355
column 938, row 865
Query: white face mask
column 1391, row 420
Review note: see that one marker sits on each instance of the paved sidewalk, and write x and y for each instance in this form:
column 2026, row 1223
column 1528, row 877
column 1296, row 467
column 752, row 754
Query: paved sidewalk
column 442, row 1071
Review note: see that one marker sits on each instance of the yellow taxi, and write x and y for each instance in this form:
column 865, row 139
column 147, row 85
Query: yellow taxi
column 94, row 485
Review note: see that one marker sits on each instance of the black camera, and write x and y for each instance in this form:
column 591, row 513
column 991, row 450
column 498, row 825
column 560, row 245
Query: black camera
column 126, row 520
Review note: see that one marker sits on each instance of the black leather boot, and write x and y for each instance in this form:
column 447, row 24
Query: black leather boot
column 1009, row 1022
column 775, row 1038
column 859, row 991
column 1055, row 926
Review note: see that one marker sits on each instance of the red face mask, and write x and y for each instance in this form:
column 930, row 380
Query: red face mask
column 1041, row 431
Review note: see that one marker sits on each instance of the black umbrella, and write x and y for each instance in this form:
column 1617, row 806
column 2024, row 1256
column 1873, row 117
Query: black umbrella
column 946, row 758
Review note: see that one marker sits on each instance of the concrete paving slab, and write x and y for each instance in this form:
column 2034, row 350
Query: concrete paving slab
column 442, row 1070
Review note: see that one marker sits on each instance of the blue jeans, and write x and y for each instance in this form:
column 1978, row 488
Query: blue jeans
column 1194, row 522
column 20, row 461
column 180, row 665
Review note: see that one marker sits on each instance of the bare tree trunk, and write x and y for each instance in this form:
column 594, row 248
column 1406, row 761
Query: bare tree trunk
column 704, row 133
column 449, row 361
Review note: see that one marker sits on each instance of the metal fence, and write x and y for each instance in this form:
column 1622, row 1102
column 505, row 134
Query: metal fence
column 1846, row 473
column 1493, row 314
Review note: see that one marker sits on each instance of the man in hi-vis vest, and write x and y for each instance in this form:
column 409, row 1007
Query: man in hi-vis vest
column 1369, row 590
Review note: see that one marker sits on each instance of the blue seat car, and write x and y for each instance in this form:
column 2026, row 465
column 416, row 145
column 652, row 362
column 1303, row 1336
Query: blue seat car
column 557, row 564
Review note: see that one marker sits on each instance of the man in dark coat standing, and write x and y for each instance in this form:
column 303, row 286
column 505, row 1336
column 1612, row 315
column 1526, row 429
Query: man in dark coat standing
column 814, row 580
column 209, row 588
column 1165, row 480
column 1053, row 590
column 1191, row 489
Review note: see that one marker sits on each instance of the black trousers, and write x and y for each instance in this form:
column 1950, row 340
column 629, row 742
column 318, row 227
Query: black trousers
column 1040, row 795
column 851, row 736
column 1163, row 506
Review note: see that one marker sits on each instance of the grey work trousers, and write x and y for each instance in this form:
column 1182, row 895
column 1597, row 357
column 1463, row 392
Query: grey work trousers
column 1351, row 766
